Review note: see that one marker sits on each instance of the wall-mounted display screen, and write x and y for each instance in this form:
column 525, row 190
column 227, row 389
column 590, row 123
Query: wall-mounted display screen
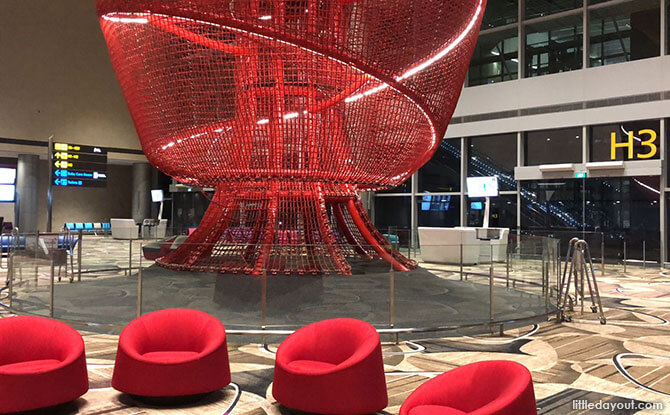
column 435, row 203
column 476, row 206
column 482, row 186
column 7, row 184
column 7, row 192
column 157, row 196
column 7, row 175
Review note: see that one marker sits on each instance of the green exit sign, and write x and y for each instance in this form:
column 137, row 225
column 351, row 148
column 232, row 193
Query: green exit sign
column 580, row 175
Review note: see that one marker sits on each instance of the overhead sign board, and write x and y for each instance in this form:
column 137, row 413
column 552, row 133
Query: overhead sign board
column 79, row 166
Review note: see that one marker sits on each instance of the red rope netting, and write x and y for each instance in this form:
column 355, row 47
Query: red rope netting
column 288, row 108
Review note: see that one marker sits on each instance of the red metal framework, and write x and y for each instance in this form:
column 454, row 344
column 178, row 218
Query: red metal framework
column 289, row 108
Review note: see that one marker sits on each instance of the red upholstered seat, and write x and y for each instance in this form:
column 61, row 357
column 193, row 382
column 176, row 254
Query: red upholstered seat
column 42, row 364
column 169, row 353
column 331, row 367
column 435, row 410
column 483, row 388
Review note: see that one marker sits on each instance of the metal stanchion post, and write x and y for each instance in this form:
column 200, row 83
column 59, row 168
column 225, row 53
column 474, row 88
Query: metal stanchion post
column 392, row 302
column 624, row 257
column 491, row 306
column 139, row 286
column 51, row 287
column 547, row 291
column 602, row 254
column 130, row 258
column 461, row 262
column 79, row 249
column 507, row 269
column 264, row 304
column 10, row 273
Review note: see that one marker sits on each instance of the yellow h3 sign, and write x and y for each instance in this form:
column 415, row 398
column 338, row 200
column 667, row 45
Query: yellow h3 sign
column 628, row 145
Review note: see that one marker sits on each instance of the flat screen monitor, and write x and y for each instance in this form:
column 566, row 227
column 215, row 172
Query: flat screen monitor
column 482, row 186
column 157, row 196
column 7, row 175
column 476, row 206
column 7, row 192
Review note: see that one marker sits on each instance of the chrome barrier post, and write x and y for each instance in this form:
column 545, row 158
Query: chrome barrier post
column 602, row 254
column 10, row 273
column 547, row 291
column 79, row 249
column 51, row 287
column 507, row 268
column 264, row 304
column 139, row 286
column 130, row 257
column 624, row 257
column 392, row 302
column 461, row 260
column 491, row 306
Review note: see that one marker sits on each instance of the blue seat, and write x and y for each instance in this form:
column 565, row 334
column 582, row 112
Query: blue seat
column 67, row 242
column 70, row 225
column 7, row 242
column 88, row 226
column 79, row 226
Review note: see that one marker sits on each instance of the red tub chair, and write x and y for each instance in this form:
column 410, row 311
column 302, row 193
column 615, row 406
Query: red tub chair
column 331, row 367
column 42, row 364
column 483, row 388
column 172, row 353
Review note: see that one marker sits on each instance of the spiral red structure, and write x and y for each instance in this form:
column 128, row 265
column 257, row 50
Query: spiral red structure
column 289, row 108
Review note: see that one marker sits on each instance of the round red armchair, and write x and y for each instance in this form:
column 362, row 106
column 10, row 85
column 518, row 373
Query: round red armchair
column 171, row 353
column 42, row 364
column 331, row 367
column 482, row 388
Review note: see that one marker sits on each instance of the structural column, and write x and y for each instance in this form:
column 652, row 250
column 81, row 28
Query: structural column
column 27, row 175
column 141, row 203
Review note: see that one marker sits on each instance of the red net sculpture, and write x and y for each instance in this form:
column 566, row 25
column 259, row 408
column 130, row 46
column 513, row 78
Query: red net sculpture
column 289, row 108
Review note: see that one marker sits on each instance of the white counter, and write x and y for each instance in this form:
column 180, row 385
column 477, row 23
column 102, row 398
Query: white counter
column 443, row 245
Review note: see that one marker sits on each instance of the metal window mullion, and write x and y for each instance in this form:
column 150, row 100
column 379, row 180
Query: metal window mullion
column 464, row 175
column 586, row 148
column 521, row 32
column 661, row 202
column 586, row 36
column 519, row 163
column 664, row 29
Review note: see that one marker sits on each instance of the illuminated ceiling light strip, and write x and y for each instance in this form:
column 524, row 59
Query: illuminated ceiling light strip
column 139, row 20
column 647, row 186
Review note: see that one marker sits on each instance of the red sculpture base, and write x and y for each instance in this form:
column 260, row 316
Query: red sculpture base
column 304, row 228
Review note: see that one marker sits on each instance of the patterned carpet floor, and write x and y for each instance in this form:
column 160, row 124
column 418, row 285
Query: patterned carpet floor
column 627, row 360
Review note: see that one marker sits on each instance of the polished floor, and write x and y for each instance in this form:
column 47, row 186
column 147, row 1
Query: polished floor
column 626, row 360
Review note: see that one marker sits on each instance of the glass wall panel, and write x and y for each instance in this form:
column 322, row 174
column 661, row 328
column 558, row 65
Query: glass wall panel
column 625, row 32
column 493, row 155
column 623, row 208
column 554, row 46
column 503, row 212
column 496, row 58
column 600, row 140
column 538, row 8
column 439, row 211
column 443, row 172
column 500, row 13
column 392, row 211
column 553, row 146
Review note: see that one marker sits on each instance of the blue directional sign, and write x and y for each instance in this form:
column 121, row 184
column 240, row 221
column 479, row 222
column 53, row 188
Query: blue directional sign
column 79, row 166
